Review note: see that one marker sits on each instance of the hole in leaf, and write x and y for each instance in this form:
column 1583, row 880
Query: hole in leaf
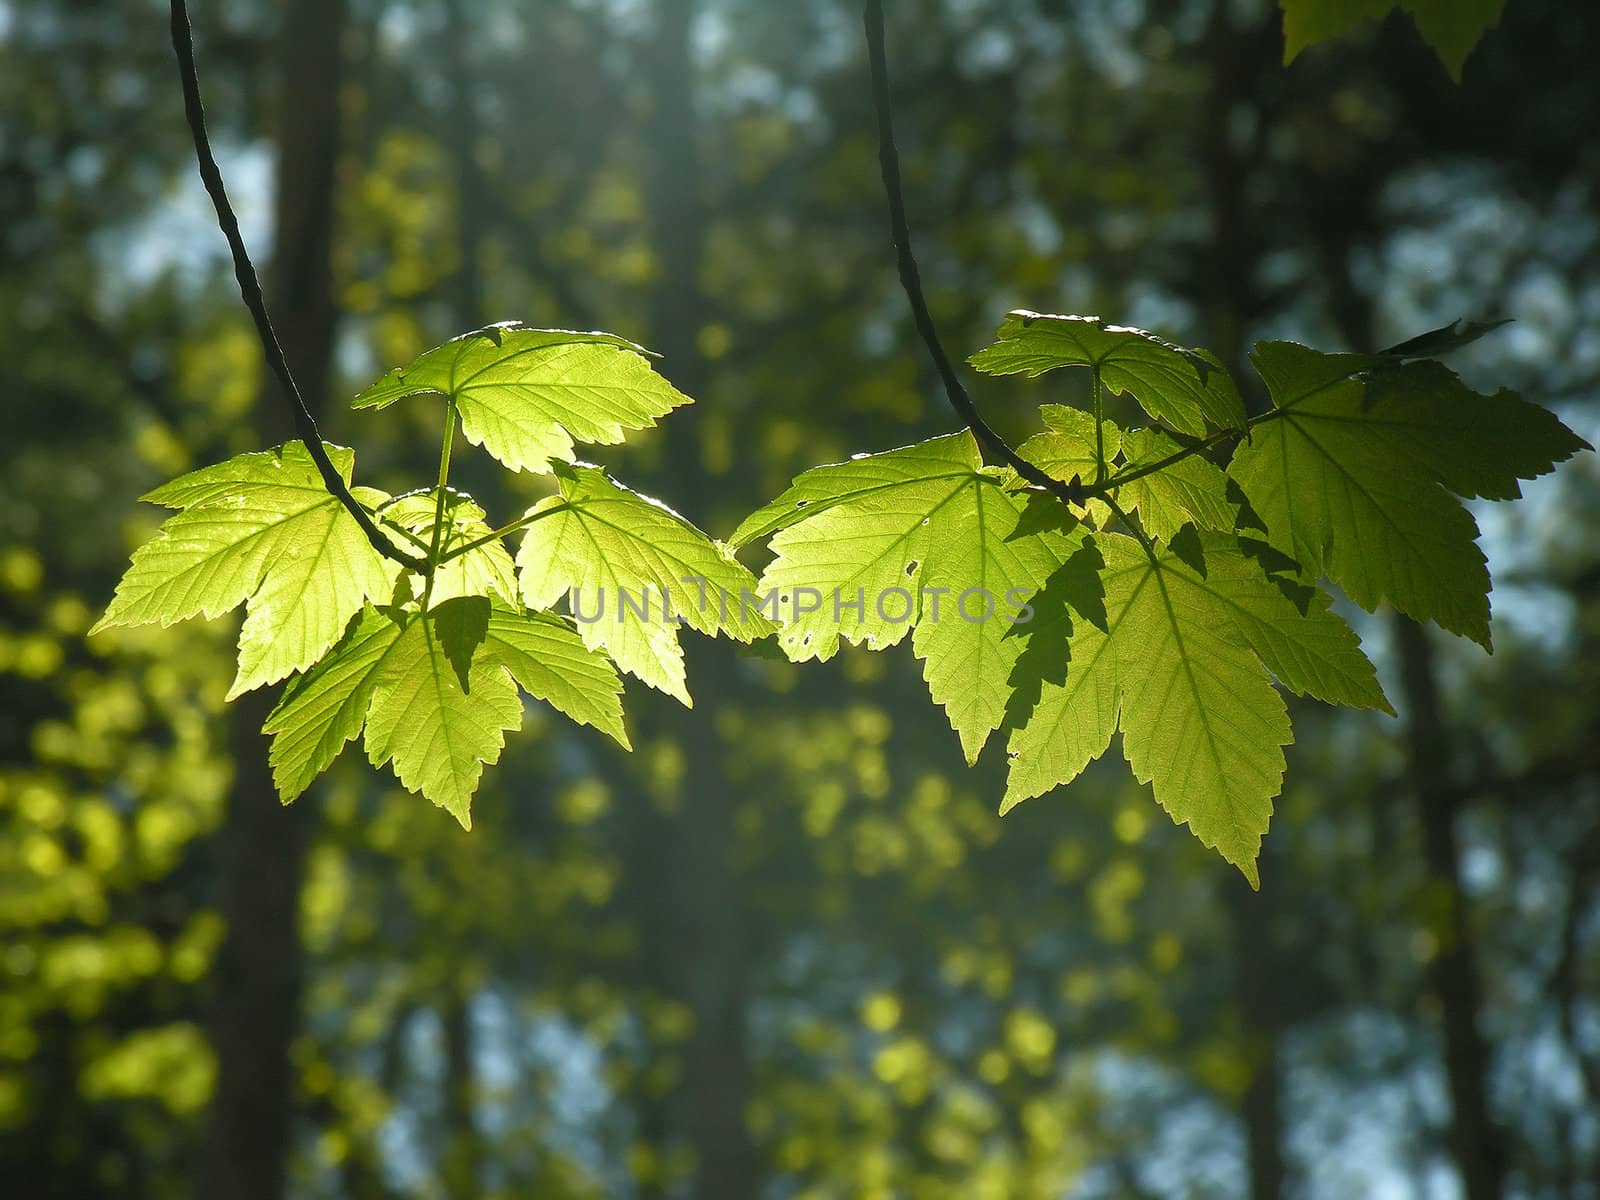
column 911, row 567
column 801, row 503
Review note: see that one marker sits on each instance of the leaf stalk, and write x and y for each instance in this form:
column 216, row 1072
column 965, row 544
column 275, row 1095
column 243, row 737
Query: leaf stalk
column 442, row 495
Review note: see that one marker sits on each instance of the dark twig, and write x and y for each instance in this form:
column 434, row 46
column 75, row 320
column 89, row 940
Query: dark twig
column 911, row 280
column 250, row 291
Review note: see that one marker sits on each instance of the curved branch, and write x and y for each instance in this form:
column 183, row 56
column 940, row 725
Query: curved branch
column 250, row 291
column 911, row 279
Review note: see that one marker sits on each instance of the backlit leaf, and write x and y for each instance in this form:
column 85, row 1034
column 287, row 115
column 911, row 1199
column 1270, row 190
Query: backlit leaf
column 526, row 395
column 1200, row 719
column 1186, row 388
column 322, row 710
column 1191, row 489
column 260, row 528
column 632, row 571
column 327, row 707
column 545, row 655
column 1354, row 487
column 917, row 540
column 437, row 733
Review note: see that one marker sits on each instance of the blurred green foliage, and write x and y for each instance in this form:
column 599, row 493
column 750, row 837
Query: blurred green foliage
column 787, row 947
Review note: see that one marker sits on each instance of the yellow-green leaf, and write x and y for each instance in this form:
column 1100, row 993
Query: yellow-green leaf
column 526, row 395
column 260, row 528
column 1186, row 388
column 632, row 571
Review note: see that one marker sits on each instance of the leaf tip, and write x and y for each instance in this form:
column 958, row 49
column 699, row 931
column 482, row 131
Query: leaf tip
column 1252, row 875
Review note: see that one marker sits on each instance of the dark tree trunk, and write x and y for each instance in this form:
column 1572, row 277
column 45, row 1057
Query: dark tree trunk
column 1241, row 56
column 1258, row 974
column 463, row 1148
column 463, row 1151
column 463, row 137
column 1475, row 1140
column 703, row 953
column 261, row 846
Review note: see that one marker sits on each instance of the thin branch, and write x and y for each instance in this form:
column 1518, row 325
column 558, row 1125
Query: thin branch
column 911, row 280
column 250, row 291
column 496, row 534
column 403, row 532
column 1161, row 464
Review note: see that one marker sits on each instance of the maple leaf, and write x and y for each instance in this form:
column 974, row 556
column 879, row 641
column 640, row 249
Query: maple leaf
column 435, row 692
column 923, row 539
column 259, row 528
column 1351, row 478
column 434, row 729
column 544, row 653
column 526, row 395
column 1066, row 450
column 1185, row 388
column 1180, row 665
column 632, row 571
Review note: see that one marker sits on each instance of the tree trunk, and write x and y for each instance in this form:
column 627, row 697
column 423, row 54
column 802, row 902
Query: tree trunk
column 463, row 1148
column 261, row 846
column 1475, row 1140
column 1258, row 973
column 463, row 136
column 704, row 952
column 1240, row 56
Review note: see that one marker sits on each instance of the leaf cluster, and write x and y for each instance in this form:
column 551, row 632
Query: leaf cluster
column 1173, row 606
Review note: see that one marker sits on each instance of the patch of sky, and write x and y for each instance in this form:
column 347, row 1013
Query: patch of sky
column 180, row 237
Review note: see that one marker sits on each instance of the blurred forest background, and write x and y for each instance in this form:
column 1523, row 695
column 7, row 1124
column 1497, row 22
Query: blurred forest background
column 786, row 948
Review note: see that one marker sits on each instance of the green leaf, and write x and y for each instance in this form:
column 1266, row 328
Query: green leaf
column 1476, row 445
column 325, row 708
column 858, row 481
column 1443, row 340
column 1066, row 449
column 322, row 710
column 1311, row 652
column 1191, row 489
column 1356, row 490
column 436, row 732
column 1200, row 719
column 1185, row 388
column 633, row 570
column 544, row 653
column 922, row 538
column 1451, row 27
column 260, row 528
column 525, row 395
column 486, row 570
